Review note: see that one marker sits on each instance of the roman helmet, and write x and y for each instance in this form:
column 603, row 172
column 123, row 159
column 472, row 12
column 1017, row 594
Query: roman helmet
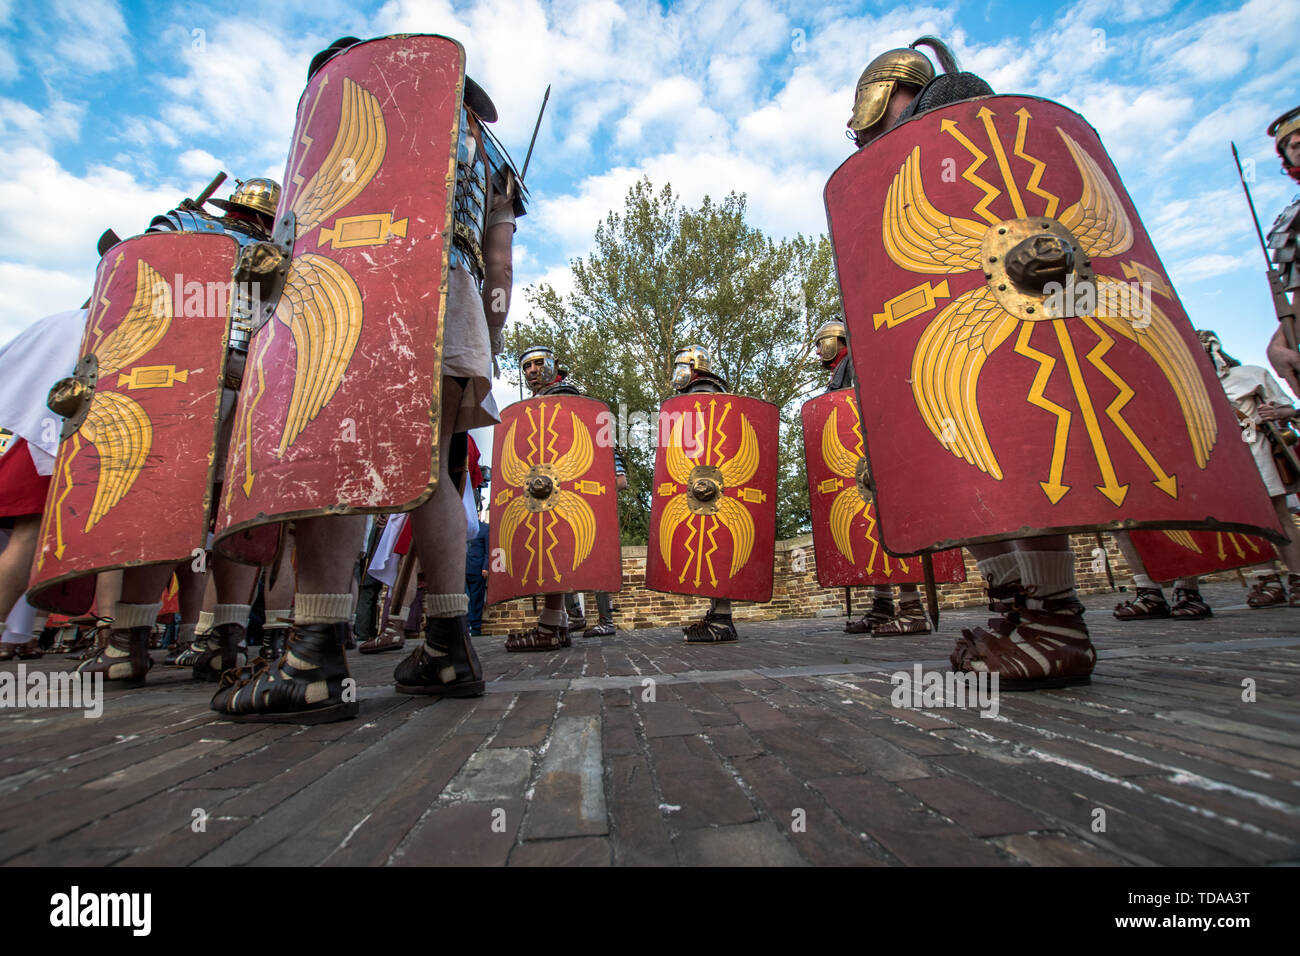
column 877, row 83
column 543, row 375
column 1214, row 348
column 252, row 195
column 827, row 340
column 1282, row 127
column 693, row 358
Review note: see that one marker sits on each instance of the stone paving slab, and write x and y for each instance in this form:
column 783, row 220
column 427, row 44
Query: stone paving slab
column 785, row 749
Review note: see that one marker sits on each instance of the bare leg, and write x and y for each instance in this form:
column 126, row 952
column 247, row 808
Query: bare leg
column 16, row 561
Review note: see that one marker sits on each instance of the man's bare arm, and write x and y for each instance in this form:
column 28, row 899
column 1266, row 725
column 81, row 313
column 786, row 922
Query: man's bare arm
column 498, row 257
column 1285, row 360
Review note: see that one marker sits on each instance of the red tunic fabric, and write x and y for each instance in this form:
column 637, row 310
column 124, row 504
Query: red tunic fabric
column 22, row 490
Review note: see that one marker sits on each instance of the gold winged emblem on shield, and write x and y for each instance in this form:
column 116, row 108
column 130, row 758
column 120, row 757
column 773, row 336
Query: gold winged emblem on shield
column 116, row 425
column 541, row 482
column 957, row 342
column 321, row 304
column 704, row 504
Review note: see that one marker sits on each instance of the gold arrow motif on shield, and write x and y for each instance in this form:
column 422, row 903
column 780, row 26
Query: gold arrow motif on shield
column 954, row 347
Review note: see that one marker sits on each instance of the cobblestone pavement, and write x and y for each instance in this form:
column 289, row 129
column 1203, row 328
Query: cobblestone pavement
column 782, row 749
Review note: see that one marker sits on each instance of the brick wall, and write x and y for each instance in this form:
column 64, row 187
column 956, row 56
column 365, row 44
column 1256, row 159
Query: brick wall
column 795, row 591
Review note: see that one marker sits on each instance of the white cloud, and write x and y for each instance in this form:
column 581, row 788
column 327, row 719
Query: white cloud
column 80, row 36
column 199, row 162
column 49, row 255
column 20, row 123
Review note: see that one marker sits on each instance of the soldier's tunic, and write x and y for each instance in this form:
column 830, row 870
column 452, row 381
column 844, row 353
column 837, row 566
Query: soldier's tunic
column 1249, row 387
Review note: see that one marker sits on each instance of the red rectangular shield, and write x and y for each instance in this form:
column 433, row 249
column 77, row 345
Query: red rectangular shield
column 554, row 523
column 1169, row 555
column 339, row 408
column 846, row 539
column 713, row 505
column 132, row 485
column 1000, row 407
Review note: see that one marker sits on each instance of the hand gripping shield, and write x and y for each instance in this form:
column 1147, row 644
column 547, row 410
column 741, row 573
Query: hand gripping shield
column 846, row 535
column 554, row 520
column 713, row 504
column 133, row 478
column 1169, row 555
column 1031, row 368
column 339, row 409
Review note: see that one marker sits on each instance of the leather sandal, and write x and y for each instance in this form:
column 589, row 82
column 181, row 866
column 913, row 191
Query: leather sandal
column 603, row 629
column 444, row 664
column 1150, row 604
column 539, row 638
column 391, row 640
column 124, row 657
column 1267, row 592
column 1030, row 649
column 1293, row 589
column 882, row 610
column 1189, row 605
column 305, row 686
column 714, row 629
column 223, row 652
column 190, row 655
column 910, row 619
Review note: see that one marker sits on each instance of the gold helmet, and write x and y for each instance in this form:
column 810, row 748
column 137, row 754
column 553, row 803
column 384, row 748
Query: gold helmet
column 1213, row 346
column 877, row 82
column 252, row 195
column 1282, row 127
column 693, row 358
column 541, row 375
column 826, row 340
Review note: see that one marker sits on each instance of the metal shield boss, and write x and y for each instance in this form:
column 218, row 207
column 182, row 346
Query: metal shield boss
column 713, row 504
column 554, row 516
column 132, row 482
column 846, row 535
column 1031, row 368
column 1169, row 555
column 339, row 408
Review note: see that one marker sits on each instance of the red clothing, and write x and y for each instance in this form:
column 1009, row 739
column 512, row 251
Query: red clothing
column 22, row 490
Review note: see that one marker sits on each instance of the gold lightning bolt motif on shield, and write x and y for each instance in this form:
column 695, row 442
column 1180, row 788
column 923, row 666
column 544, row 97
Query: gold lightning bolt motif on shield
column 714, row 459
column 959, row 340
column 853, row 500
column 547, row 487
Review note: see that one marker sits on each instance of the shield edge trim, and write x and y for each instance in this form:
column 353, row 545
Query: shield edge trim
column 435, row 408
column 1209, row 524
column 209, row 500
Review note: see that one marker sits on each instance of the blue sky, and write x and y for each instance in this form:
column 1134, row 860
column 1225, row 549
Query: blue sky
column 111, row 111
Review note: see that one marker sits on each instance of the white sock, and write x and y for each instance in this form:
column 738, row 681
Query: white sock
column 205, row 624
column 136, row 615
column 322, row 608
column 1188, row 584
column 279, row 618
column 883, row 592
column 446, row 605
column 1047, row 573
column 1000, row 569
column 231, row 614
column 1144, row 581
column 553, row 617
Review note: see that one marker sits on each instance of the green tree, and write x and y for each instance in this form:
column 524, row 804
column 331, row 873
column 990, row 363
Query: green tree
column 662, row 276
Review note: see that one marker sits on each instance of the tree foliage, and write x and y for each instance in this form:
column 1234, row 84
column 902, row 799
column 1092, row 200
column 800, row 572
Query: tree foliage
column 662, row 276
